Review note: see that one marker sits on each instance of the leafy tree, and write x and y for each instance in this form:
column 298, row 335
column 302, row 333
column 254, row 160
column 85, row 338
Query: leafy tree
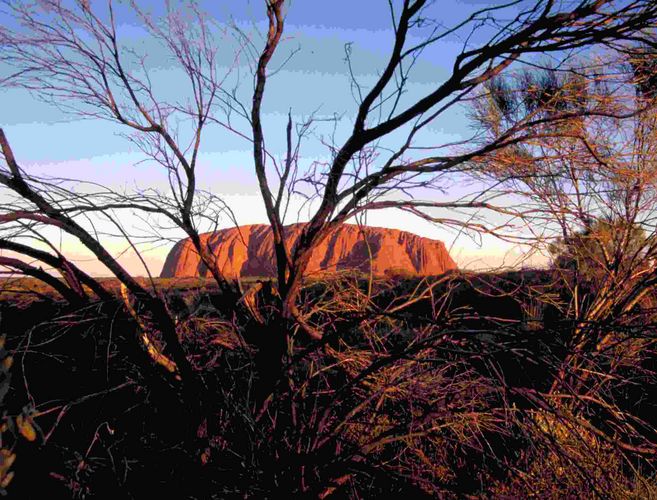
column 599, row 250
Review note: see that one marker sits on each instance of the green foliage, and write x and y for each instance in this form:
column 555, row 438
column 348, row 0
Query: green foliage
column 601, row 249
column 535, row 94
column 643, row 61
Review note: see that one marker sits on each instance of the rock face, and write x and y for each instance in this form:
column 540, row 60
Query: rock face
column 249, row 251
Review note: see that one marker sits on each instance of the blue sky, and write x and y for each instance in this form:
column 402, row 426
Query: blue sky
column 52, row 142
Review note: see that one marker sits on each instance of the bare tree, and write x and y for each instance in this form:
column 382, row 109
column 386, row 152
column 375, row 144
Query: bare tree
column 75, row 60
column 345, row 190
column 319, row 402
column 90, row 74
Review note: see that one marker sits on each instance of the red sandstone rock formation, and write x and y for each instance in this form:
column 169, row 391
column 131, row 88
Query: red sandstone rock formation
column 249, row 251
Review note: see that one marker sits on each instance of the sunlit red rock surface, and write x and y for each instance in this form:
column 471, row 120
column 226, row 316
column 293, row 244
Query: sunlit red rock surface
column 249, row 251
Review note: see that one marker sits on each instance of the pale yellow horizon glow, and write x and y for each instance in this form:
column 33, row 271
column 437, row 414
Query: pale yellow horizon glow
column 491, row 253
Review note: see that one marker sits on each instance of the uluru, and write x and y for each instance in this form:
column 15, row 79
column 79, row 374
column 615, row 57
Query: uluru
column 248, row 251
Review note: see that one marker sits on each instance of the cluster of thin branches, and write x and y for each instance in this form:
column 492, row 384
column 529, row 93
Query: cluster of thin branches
column 327, row 387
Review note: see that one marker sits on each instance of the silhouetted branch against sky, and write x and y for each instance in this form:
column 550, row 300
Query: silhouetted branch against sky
column 516, row 127
column 148, row 121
